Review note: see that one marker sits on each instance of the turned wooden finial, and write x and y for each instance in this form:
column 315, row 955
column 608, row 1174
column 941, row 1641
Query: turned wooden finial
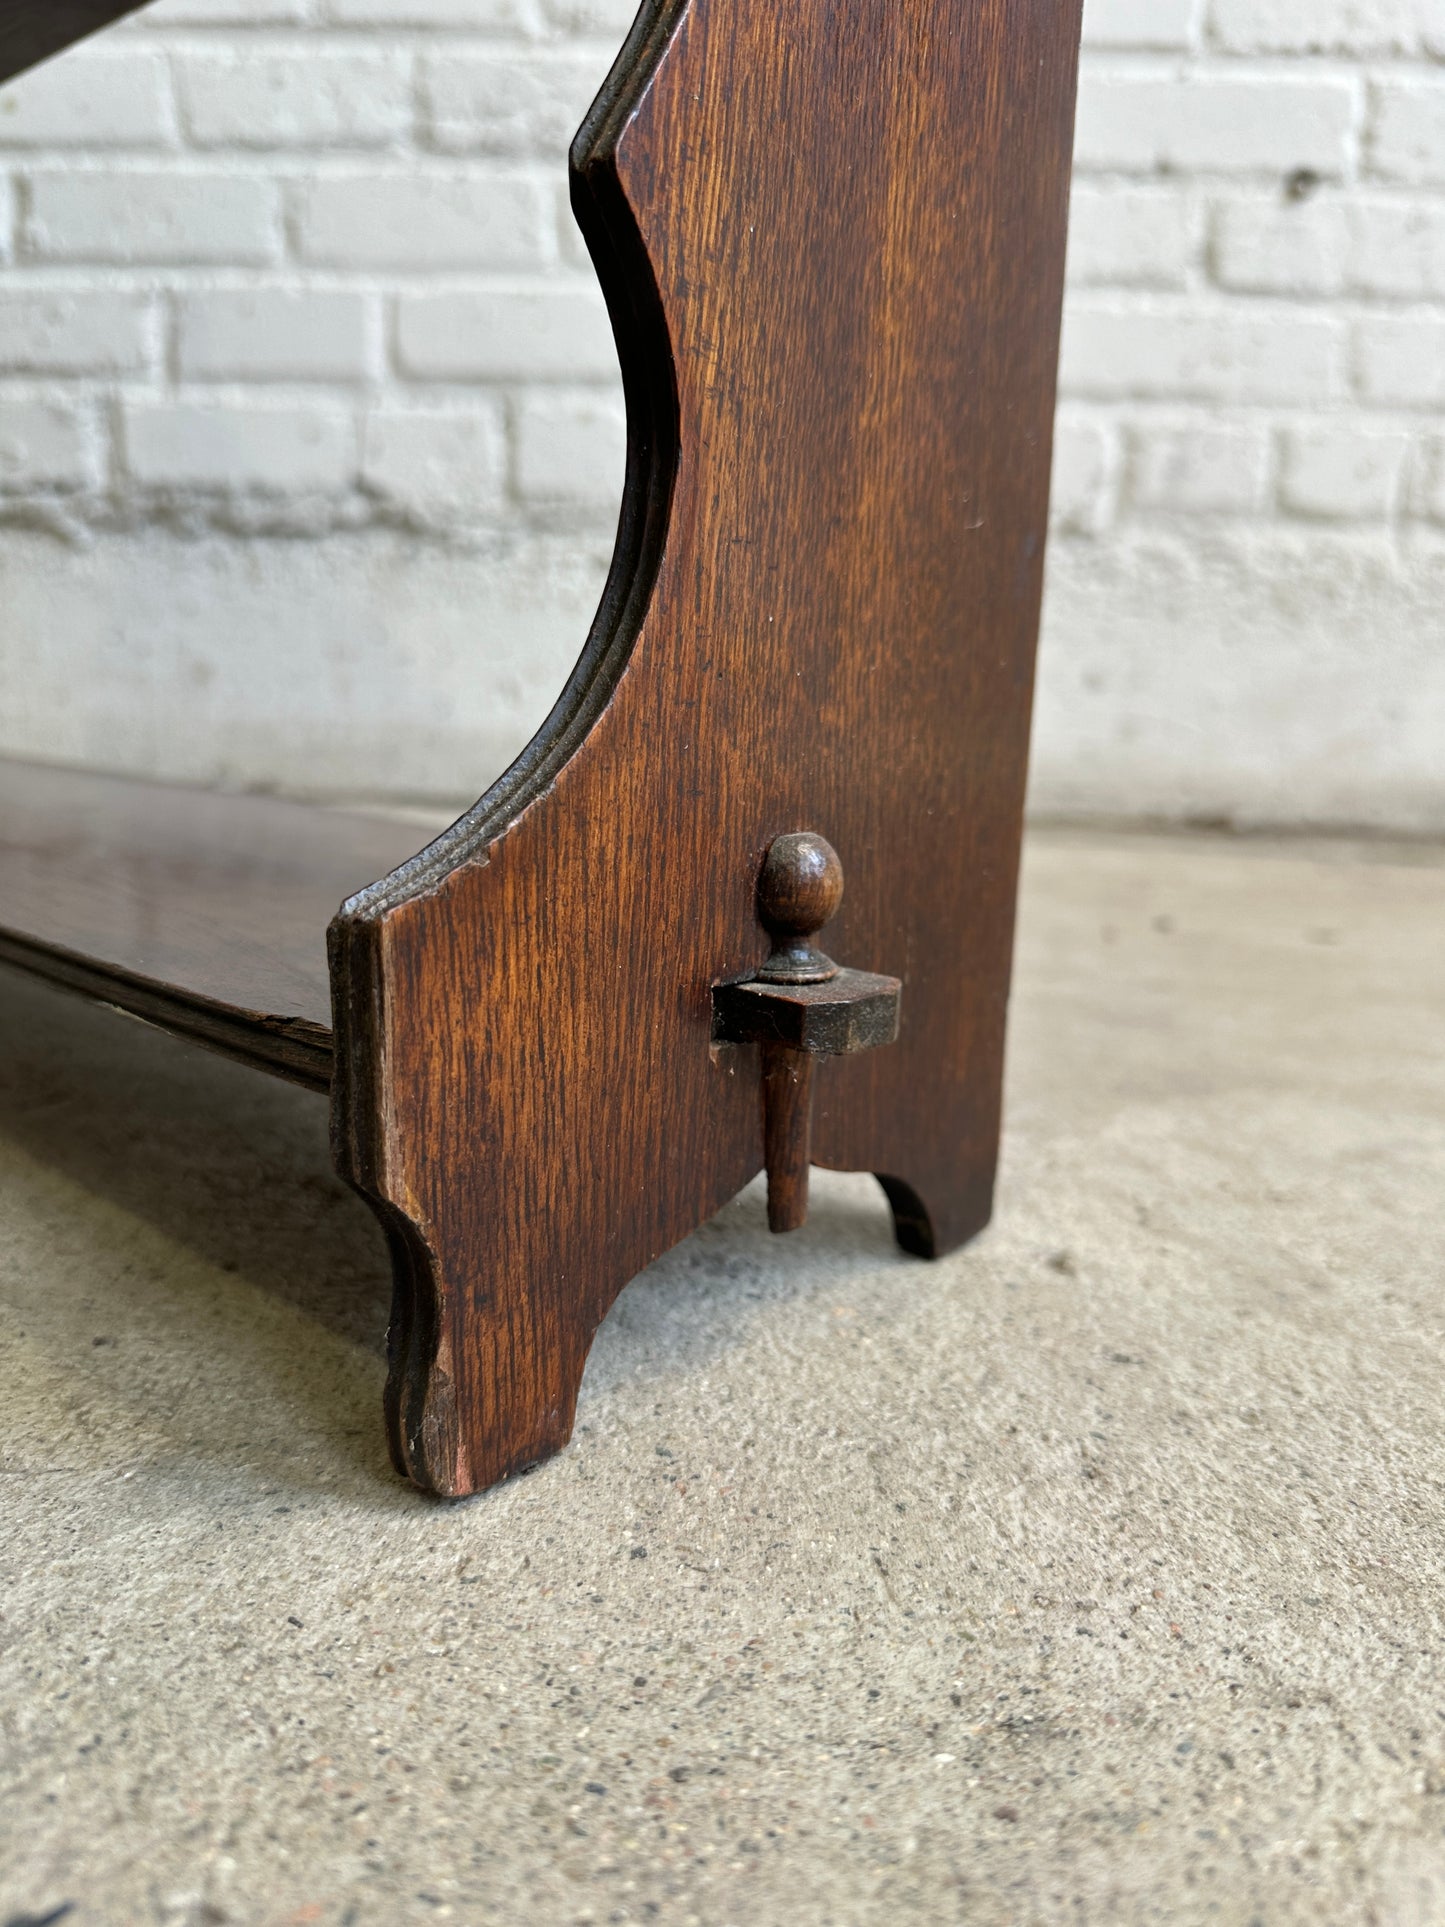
column 799, row 1007
column 800, row 890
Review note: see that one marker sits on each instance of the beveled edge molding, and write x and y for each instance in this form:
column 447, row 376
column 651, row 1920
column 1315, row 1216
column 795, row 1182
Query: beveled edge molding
column 649, row 381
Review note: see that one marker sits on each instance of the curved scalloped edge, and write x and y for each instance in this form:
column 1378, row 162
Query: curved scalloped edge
column 428, row 1446
column 645, row 355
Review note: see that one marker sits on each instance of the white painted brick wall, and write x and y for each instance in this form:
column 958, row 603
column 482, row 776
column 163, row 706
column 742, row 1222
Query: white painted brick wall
column 1259, row 233
column 1244, row 616
column 247, row 444
column 437, row 465
column 46, row 445
column 277, row 334
column 570, row 447
column 105, row 214
column 279, row 274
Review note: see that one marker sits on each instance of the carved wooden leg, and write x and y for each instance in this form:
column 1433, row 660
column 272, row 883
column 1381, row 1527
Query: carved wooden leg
column 959, row 1210
column 832, row 241
column 525, row 1166
column 484, row 1370
column 484, row 1375
column 912, row 1220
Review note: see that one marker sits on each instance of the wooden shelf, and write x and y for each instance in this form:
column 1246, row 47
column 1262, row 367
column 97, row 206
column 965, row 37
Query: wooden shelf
column 201, row 912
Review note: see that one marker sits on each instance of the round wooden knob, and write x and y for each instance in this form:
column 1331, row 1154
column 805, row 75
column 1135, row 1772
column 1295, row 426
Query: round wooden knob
column 800, row 890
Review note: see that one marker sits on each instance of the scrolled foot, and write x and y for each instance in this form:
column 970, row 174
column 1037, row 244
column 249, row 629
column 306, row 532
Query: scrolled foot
column 932, row 1225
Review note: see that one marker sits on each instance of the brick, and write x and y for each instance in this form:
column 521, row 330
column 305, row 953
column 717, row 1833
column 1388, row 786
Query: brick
column 1129, row 236
column 46, row 445
column 203, row 445
column 1345, row 473
column 1407, row 131
column 1397, row 249
column 1399, row 361
column 1199, row 468
column 438, row 465
column 611, row 18
column 1145, row 123
column 90, row 100
column 174, row 219
column 275, row 334
column 1281, row 247
column 1315, row 26
column 423, row 221
column 311, row 99
column 508, row 103
column 506, row 335
column 60, row 332
column 1162, row 24
column 1119, row 348
column 1085, row 459
column 478, row 16
column 224, row 13
column 572, row 447
column 1432, row 481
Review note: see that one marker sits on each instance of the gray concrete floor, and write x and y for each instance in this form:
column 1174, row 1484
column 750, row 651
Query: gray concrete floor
column 1092, row 1575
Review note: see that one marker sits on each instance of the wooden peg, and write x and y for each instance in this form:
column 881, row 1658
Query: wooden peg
column 800, row 1006
column 787, row 1134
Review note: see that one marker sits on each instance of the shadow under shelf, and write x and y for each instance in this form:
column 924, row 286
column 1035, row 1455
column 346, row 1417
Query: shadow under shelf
column 202, row 912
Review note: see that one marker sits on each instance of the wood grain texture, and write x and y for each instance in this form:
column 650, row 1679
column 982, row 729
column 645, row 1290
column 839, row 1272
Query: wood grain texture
column 832, row 240
column 787, row 1081
column 33, row 30
column 202, row 913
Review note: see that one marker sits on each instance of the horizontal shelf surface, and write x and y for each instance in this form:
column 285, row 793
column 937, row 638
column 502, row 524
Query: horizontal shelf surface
column 202, row 912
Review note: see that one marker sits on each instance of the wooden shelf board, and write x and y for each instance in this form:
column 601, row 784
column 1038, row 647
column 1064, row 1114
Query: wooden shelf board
column 201, row 912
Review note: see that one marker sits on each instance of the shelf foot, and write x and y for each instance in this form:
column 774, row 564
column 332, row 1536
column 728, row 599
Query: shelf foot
column 483, row 1383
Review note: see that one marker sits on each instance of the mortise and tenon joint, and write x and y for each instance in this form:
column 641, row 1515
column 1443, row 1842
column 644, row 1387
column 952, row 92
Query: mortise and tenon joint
column 799, row 1007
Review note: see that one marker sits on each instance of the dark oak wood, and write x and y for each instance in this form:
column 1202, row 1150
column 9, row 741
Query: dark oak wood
column 800, row 892
column 855, row 1010
column 33, row 30
column 832, row 242
column 800, row 1006
column 205, row 914
column 794, row 1025
column 787, row 1086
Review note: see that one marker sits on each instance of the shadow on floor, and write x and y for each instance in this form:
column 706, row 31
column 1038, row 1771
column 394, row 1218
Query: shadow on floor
column 233, row 1164
column 234, row 1167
